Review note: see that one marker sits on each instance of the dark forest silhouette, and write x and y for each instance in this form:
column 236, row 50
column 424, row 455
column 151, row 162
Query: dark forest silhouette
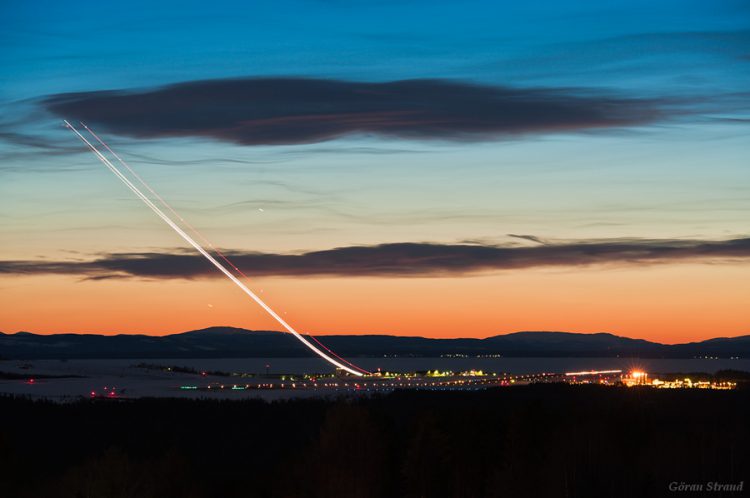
column 534, row 441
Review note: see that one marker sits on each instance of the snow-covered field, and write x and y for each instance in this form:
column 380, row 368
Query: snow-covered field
column 119, row 379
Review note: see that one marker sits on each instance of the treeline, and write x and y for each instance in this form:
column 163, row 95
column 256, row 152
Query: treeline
column 526, row 441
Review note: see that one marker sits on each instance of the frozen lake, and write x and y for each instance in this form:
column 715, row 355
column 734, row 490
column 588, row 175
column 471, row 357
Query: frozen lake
column 400, row 364
column 76, row 378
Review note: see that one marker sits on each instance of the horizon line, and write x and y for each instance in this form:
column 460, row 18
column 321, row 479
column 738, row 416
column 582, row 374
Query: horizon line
column 370, row 334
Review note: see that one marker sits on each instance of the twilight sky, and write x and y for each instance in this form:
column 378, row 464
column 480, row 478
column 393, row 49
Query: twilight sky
column 415, row 167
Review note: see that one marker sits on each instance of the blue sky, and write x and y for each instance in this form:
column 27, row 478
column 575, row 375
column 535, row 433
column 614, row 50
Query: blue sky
column 53, row 47
column 682, row 175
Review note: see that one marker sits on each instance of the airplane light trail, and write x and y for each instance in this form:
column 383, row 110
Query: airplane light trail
column 593, row 372
column 196, row 232
column 354, row 371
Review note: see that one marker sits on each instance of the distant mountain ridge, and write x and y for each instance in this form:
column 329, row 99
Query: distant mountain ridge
column 229, row 342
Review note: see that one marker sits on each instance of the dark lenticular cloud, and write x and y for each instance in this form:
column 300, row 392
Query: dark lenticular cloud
column 301, row 110
column 404, row 259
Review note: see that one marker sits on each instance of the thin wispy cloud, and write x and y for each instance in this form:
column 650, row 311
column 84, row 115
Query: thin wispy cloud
column 396, row 260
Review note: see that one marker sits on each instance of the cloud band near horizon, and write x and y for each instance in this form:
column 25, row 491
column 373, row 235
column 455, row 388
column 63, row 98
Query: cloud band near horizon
column 394, row 260
column 275, row 111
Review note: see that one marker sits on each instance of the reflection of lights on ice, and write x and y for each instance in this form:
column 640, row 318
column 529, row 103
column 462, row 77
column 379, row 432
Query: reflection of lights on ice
column 354, row 370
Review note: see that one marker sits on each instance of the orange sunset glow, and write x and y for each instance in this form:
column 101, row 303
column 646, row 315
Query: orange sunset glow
column 674, row 304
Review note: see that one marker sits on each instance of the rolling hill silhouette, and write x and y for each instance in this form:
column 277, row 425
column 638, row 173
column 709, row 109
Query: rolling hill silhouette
column 228, row 342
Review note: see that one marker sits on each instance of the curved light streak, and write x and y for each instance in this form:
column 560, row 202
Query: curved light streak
column 199, row 235
column 208, row 256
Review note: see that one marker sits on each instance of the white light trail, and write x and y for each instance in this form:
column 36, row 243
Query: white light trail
column 206, row 255
column 594, row 372
column 195, row 232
